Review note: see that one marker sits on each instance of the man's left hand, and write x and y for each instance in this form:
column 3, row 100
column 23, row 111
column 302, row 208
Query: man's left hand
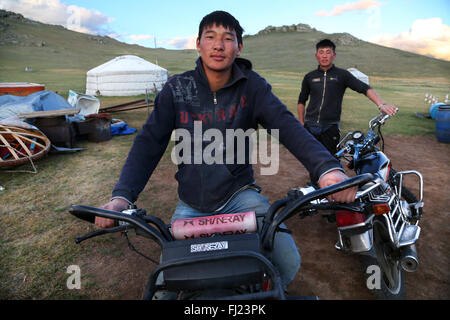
column 333, row 177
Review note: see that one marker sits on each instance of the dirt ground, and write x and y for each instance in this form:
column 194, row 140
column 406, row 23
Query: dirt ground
column 325, row 272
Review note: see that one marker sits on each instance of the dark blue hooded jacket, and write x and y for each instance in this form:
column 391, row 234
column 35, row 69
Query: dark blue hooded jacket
column 245, row 102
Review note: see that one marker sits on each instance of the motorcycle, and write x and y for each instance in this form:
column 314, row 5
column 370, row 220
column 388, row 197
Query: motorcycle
column 225, row 257
column 385, row 238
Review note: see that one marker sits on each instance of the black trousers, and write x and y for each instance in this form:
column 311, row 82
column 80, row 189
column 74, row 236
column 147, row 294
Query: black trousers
column 329, row 137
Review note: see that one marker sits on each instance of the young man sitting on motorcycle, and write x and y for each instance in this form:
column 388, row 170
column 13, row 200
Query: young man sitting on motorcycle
column 223, row 92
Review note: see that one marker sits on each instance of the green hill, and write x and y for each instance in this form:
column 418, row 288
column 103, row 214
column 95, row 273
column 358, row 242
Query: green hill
column 60, row 58
column 293, row 50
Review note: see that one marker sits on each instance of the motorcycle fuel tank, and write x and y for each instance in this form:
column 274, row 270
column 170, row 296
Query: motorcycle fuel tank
column 376, row 162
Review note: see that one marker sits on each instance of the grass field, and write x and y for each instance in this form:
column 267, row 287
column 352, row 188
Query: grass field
column 37, row 238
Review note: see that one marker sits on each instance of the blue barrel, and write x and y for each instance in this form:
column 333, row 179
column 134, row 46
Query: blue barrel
column 434, row 109
column 443, row 124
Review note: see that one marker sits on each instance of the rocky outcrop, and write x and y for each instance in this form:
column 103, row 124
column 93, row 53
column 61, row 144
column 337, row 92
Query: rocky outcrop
column 98, row 39
column 345, row 39
column 10, row 36
column 292, row 28
column 7, row 35
column 11, row 15
column 340, row 39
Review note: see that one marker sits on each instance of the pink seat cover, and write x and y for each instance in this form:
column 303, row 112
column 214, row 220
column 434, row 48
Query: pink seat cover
column 226, row 224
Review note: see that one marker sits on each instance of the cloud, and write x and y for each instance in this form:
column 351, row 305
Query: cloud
column 184, row 43
column 56, row 12
column 137, row 37
column 349, row 6
column 140, row 39
column 427, row 36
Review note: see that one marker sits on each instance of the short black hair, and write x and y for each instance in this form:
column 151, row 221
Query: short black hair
column 326, row 43
column 224, row 19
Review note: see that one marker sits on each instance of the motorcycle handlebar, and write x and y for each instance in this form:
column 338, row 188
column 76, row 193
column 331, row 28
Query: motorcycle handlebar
column 88, row 213
column 341, row 152
column 294, row 206
column 379, row 119
column 324, row 192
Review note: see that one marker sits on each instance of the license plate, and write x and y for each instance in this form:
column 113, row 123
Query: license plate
column 210, row 246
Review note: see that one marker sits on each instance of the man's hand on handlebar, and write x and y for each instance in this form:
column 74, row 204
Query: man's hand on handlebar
column 115, row 205
column 333, row 177
column 388, row 109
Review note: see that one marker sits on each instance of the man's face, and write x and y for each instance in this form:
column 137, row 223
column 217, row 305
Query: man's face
column 325, row 56
column 218, row 48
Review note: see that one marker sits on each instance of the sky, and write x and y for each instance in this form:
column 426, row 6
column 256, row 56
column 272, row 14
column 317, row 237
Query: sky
column 414, row 25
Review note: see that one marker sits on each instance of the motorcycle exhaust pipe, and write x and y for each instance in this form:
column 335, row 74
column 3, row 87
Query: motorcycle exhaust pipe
column 409, row 260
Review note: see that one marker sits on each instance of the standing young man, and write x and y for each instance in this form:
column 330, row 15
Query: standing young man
column 222, row 93
column 326, row 86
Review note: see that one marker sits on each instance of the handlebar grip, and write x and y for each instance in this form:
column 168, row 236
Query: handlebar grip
column 340, row 153
column 82, row 214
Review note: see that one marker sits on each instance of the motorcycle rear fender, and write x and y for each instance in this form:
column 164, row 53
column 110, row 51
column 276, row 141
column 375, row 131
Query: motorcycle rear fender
column 357, row 238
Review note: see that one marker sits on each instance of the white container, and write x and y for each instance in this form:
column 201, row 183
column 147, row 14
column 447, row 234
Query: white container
column 87, row 104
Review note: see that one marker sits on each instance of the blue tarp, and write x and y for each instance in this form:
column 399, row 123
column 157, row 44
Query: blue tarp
column 39, row 101
column 11, row 106
column 121, row 128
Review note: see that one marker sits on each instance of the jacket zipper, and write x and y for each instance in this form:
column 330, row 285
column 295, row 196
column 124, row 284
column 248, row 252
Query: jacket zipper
column 201, row 168
column 248, row 186
column 323, row 95
column 214, row 108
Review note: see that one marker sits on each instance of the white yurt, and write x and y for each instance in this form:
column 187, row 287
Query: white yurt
column 125, row 76
column 359, row 75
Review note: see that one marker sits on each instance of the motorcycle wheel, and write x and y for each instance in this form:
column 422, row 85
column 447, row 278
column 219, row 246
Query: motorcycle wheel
column 383, row 254
column 391, row 282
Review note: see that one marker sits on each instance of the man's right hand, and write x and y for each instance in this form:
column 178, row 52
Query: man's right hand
column 114, row 205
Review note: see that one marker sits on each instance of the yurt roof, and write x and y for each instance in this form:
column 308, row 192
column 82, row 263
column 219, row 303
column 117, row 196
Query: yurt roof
column 125, row 65
column 356, row 72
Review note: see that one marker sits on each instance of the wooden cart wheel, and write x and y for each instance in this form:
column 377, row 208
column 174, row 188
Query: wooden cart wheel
column 18, row 145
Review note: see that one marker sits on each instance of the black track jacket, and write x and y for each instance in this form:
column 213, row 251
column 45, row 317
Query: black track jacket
column 326, row 90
